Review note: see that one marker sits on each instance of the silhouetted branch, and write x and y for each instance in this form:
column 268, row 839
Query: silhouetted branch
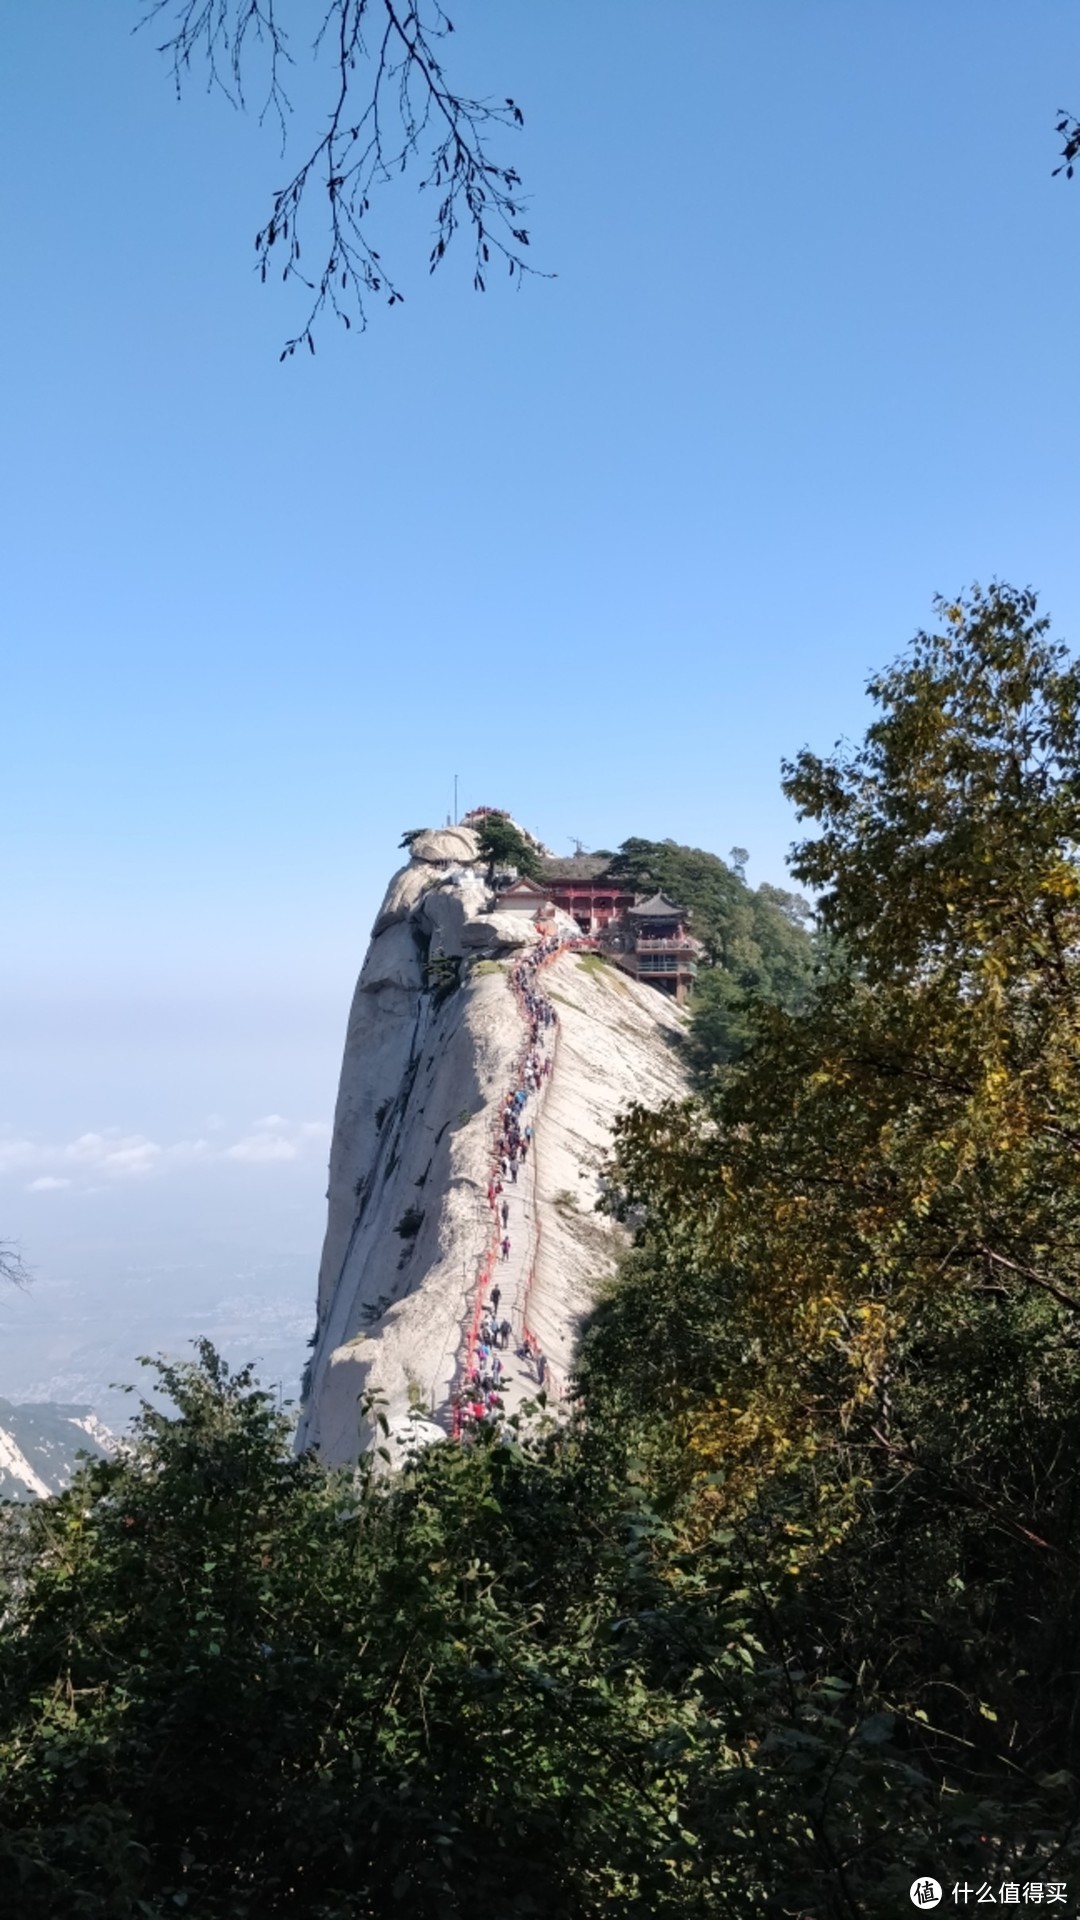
column 1069, row 128
column 392, row 104
column 13, row 1268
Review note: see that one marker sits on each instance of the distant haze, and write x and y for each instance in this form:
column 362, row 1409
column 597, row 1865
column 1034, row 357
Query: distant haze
column 149, row 1217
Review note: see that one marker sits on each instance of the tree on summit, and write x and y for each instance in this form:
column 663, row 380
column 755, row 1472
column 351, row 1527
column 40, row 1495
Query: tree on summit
column 504, row 845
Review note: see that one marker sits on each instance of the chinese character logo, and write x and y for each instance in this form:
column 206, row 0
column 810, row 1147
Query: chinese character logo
column 925, row 1892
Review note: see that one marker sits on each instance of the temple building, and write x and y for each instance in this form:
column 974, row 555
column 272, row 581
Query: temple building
column 647, row 938
column 524, row 896
column 656, row 946
column 583, row 888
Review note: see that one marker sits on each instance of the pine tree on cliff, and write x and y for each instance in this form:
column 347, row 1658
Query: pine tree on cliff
column 504, row 845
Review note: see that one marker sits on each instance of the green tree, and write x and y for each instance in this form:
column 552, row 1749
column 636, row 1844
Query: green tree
column 872, row 1225
column 233, row 1683
column 757, row 943
column 504, row 845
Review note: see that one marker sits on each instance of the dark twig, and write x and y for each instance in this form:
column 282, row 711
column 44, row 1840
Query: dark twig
column 392, row 105
column 13, row 1268
column 1069, row 128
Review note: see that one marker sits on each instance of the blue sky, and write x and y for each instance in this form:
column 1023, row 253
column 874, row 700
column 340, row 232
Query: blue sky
column 608, row 548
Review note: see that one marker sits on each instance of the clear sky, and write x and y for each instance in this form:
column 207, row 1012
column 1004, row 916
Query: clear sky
column 609, row 549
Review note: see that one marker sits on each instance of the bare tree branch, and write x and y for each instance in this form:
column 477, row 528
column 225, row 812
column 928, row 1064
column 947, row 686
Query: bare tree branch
column 13, row 1267
column 392, row 105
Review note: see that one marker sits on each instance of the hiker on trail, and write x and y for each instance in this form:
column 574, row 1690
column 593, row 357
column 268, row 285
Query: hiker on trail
column 505, row 1212
column 505, row 1331
column 541, row 1366
column 506, row 1247
column 496, row 1370
column 496, row 1296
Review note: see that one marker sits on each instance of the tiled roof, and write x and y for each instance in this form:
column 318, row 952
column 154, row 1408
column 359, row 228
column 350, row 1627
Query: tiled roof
column 583, row 866
column 659, row 908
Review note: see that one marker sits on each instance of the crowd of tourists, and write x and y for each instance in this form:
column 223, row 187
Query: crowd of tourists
column 481, row 1400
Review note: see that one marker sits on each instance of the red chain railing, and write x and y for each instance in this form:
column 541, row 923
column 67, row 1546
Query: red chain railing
column 489, row 1256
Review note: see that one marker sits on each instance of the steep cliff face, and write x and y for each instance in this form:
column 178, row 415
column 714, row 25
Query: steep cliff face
column 40, row 1444
column 457, row 1006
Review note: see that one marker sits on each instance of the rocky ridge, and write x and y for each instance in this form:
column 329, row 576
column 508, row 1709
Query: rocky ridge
column 435, row 1043
column 40, row 1442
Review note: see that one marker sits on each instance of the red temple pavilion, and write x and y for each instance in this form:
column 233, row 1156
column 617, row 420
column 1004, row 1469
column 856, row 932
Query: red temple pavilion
column 660, row 951
column 583, row 888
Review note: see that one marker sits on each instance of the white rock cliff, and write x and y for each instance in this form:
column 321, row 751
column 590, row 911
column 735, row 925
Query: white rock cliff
column 434, row 1046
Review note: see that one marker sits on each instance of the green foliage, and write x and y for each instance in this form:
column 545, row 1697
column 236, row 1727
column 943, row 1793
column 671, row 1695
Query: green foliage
column 596, row 963
column 757, row 943
column 442, row 975
column 858, row 1302
column 234, row 1683
column 503, row 845
column 410, row 1223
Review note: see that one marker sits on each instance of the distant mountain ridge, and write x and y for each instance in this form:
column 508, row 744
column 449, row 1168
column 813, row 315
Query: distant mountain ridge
column 40, row 1441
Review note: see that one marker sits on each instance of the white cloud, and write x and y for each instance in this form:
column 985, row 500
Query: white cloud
column 263, row 1146
column 17, row 1154
column 112, row 1154
column 135, row 1156
column 89, row 1147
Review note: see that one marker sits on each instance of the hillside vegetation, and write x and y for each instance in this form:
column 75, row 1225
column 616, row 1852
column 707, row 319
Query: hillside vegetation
column 787, row 1615
column 757, row 944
